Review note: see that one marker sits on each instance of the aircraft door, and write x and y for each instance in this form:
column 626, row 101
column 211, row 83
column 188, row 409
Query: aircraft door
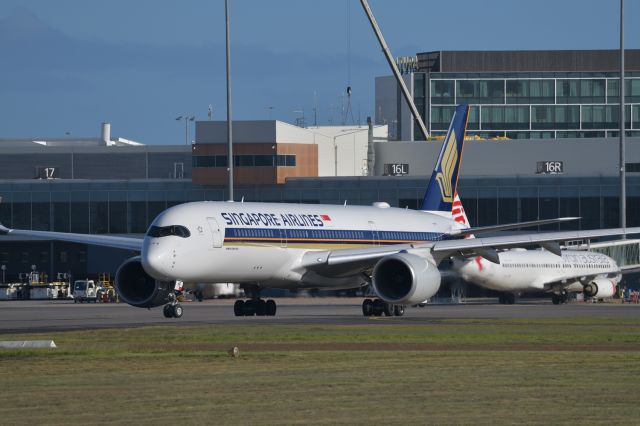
column 374, row 232
column 216, row 233
column 283, row 237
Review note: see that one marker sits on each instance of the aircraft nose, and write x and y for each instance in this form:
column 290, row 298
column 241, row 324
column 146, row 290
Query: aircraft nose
column 155, row 259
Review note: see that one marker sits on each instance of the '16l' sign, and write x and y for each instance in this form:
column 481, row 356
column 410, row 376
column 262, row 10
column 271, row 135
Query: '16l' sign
column 396, row 169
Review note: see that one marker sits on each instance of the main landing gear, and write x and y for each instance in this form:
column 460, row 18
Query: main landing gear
column 251, row 307
column 507, row 299
column 560, row 298
column 378, row 307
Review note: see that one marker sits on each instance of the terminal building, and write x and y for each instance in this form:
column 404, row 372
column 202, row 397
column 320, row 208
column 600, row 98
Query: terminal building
column 544, row 94
column 548, row 169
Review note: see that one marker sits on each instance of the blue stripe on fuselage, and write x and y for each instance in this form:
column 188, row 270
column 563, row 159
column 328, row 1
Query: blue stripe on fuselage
column 328, row 236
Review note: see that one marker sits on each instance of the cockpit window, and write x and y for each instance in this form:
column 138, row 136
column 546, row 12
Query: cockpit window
column 165, row 231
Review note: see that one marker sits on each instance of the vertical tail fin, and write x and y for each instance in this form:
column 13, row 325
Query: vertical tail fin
column 458, row 214
column 444, row 179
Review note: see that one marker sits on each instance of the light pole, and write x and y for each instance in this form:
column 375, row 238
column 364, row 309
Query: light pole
column 335, row 148
column 623, row 176
column 229, row 119
column 187, row 119
column 269, row 108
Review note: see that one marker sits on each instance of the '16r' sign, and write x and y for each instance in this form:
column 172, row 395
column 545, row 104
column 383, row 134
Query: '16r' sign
column 550, row 168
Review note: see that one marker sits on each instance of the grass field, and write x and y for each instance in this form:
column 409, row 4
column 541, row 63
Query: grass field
column 561, row 371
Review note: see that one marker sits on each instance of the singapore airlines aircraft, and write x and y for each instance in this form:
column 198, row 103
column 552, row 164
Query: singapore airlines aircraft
column 296, row 246
column 557, row 272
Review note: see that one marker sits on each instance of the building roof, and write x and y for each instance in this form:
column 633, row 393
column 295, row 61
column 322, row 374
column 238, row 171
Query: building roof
column 275, row 131
column 528, row 61
column 64, row 142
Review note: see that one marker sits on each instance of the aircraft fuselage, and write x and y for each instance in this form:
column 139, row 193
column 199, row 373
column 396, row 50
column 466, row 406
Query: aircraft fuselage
column 258, row 242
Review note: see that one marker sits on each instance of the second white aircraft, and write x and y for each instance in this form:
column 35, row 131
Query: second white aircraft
column 520, row 270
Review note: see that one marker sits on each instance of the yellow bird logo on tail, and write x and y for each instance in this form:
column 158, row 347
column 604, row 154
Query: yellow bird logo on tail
column 448, row 165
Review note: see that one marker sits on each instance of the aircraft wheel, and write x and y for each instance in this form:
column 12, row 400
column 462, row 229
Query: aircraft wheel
column 167, row 311
column 271, row 307
column 555, row 298
column 510, row 298
column 367, row 307
column 501, row 299
column 261, row 307
column 177, row 311
column 398, row 310
column 388, row 309
column 249, row 308
column 378, row 307
column 238, row 308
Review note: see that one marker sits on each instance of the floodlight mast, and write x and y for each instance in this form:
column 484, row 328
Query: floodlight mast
column 229, row 126
column 623, row 176
column 394, row 68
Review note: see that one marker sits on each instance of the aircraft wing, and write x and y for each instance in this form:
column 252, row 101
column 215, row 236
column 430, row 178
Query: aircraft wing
column 524, row 240
column 442, row 249
column 508, row 226
column 125, row 243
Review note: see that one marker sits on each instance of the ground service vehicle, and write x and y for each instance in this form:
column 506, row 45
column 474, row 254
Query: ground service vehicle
column 85, row 291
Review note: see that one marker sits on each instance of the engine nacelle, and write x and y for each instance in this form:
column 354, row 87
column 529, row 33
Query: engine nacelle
column 137, row 288
column 600, row 287
column 405, row 279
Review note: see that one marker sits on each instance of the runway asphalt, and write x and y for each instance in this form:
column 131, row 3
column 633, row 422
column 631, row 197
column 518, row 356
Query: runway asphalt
column 54, row 315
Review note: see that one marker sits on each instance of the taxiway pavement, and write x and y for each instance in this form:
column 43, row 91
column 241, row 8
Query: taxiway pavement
column 59, row 315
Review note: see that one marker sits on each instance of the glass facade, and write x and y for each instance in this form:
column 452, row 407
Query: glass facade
column 129, row 207
column 530, row 105
column 245, row 160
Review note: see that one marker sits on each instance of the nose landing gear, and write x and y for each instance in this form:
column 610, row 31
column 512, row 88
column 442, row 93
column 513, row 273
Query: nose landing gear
column 173, row 309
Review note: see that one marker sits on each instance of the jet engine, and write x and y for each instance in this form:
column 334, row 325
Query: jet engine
column 139, row 289
column 600, row 287
column 405, row 279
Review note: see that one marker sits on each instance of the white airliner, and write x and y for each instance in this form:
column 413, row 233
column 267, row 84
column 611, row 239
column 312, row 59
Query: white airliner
column 297, row 246
column 520, row 270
